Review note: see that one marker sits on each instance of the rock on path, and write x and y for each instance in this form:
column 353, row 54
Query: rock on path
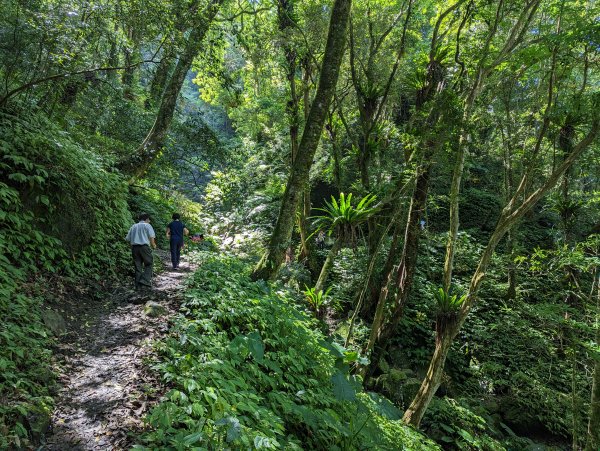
column 105, row 388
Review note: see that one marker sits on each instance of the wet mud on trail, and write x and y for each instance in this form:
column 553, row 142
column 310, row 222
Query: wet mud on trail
column 105, row 388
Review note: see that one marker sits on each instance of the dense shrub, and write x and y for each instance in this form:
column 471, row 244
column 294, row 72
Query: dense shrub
column 247, row 370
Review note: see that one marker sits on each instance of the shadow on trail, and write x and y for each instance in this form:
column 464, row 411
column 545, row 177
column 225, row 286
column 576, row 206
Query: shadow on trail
column 105, row 388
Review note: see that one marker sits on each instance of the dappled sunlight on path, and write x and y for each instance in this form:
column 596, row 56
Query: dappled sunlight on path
column 105, row 388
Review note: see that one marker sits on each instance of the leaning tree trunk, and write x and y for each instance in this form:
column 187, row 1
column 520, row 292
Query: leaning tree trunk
column 160, row 78
column 297, row 181
column 139, row 163
column 593, row 432
column 367, row 310
column 433, row 378
column 401, row 280
column 416, row 410
column 326, row 269
column 285, row 17
column 510, row 215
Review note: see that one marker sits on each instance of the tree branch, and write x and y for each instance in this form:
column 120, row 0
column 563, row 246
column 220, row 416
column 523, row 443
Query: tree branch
column 71, row 74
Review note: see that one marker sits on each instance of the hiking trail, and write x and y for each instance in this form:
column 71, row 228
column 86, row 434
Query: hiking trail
column 105, row 388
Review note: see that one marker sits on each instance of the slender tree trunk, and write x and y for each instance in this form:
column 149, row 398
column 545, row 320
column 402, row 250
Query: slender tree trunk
column 565, row 143
column 154, row 141
column 593, row 431
column 308, row 245
column 433, row 378
column 298, row 179
column 369, row 276
column 337, row 167
column 364, row 161
column 510, row 215
column 326, row 269
column 567, row 213
column 307, row 252
column 483, row 71
column 373, row 288
column 511, row 292
column 113, row 57
column 574, row 401
column 113, row 53
column 307, row 71
column 129, row 73
column 400, row 281
column 161, row 76
column 335, row 152
column 285, row 14
column 459, row 168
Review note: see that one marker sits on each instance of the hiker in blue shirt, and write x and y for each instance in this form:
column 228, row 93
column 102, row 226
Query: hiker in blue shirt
column 176, row 230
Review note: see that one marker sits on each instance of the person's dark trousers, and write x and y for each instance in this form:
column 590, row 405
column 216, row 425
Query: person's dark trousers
column 142, row 259
column 176, row 252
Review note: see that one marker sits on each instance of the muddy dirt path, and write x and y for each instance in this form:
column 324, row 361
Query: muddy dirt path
column 105, row 388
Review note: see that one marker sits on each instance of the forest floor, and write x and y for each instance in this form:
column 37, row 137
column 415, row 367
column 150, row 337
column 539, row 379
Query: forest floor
column 105, row 386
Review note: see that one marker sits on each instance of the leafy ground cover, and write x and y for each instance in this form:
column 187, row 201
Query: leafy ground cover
column 60, row 211
column 248, row 369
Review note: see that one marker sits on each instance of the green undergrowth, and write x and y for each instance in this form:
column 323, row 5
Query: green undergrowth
column 247, row 369
column 460, row 426
column 62, row 214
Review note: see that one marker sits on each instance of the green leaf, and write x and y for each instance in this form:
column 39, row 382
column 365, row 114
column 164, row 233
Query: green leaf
column 256, row 346
column 334, row 348
column 464, row 434
column 234, row 429
column 18, row 177
column 342, row 389
column 193, row 438
column 261, row 442
column 384, row 407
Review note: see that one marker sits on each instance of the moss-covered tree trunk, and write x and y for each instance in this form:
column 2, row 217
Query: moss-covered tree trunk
column 129, row 54
column 373, row 287
column 328, row 264
column 433, row 378
column 287, row 24
column 593, row 432
column 146, row 153
column 336, row 154
column 298, row 179
column 400, row 281
column 511, row 291
column 161, row 76
column 307, row 253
